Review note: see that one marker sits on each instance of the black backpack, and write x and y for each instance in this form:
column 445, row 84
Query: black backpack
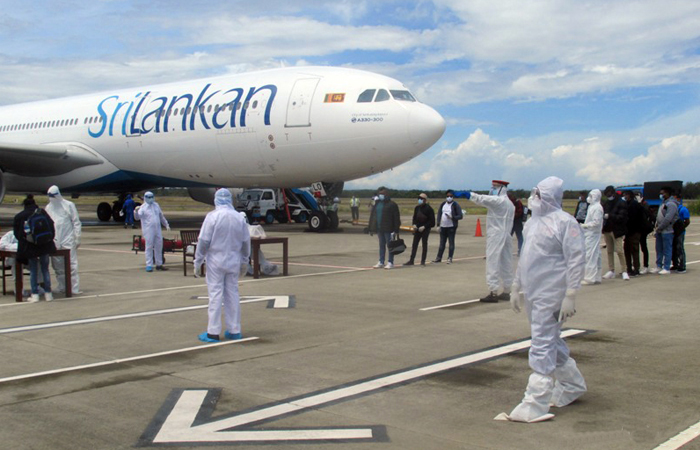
column 38, row 228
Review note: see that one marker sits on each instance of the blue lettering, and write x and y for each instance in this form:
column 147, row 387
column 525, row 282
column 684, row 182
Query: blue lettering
column 233, row 105
column 158, row 113
column 126, row 117
column 114, row 116
column 103, row 118
column 199, row 107
column 173, row 102
column 133, row 129
column 273, row 91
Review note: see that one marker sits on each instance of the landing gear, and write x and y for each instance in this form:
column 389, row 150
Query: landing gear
column 104, row 212
column 318, row 221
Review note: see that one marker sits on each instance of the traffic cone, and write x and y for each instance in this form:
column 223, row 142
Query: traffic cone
column 478, row 229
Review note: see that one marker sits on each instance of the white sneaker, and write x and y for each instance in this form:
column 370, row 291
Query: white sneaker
column 664, row 272
column 655, row 270
column 609, row 276
column 643, row 270
column 389, row 266
column 625, row 276
column 588, row 282
column 48, row 296
column 33, row 298
column 379, row 265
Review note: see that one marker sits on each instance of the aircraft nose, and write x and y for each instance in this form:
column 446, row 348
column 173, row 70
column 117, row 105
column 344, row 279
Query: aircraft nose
column 425, row 126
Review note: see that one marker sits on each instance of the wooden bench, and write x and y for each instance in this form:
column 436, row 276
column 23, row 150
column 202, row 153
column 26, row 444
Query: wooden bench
column 188, row 237
column 19, row 275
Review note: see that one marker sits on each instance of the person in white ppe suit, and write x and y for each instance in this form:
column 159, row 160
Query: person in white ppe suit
column 68, row 230
column 152, row 218
column 224, row 245
column 592, row 232
column 499, row 245
column 548, row 276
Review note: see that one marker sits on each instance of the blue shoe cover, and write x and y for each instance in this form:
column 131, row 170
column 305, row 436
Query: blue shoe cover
column 205, row 338
column 233, row 336
column 149, row 268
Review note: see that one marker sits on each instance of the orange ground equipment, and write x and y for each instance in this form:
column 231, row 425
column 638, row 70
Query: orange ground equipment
column 478, row 229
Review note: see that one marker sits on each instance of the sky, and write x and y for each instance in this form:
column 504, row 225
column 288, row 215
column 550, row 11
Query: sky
column 596, row 92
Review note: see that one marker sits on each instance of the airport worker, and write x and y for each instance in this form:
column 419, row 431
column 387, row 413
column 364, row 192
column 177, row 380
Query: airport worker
column 547, row 279
column 447, row 218
column 68, row 230
column 385, row 220
column 614, row 231
column 423, row 222
column 499, row 245
column 128, row 210
column 665, row 218
column 224, row 245
column 593, row 232
column 355, row 208
column 152, row 218
column 34, row 224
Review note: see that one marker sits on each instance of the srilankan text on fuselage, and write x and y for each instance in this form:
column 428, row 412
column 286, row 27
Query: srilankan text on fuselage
column 159, row 111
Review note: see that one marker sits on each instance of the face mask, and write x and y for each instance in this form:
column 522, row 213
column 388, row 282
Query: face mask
column 149, row 200
column 381, row 197
column 589, row 199
column 661, row 197
column 449, row 199
column 611, row 197
column 420, row 201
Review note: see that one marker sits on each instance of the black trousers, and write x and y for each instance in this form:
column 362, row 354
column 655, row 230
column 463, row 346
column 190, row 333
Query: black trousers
column 644, row 248
column 417, row 237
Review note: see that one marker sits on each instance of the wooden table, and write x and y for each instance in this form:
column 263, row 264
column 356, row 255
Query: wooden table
column 19, row 274
column 255, row 244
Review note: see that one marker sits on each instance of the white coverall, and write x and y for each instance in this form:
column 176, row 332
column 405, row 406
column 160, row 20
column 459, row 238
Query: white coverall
column 551, row 267
column 152, row 219
column 68, row 230
column 224, row 244
column 9, row 242
column 592, row 231
column 499, row 246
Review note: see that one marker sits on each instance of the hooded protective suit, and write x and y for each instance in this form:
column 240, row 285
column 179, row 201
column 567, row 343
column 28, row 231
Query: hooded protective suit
column 592, row 231
column 549, row 274
column 68, row 229
column 499, row 246
column 152, row 219
column 224, row 244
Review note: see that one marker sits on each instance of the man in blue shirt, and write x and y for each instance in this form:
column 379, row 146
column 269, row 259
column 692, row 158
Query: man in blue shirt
column 679, row 236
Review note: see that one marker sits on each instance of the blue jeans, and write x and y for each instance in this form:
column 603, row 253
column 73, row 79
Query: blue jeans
column 664, row 250
column 446, row 233
column 384, row 239
column 42, row 262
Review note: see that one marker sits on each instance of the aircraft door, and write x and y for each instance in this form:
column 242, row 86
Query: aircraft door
column 299, row 105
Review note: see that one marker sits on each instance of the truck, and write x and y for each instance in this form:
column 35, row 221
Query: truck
column 267, row 205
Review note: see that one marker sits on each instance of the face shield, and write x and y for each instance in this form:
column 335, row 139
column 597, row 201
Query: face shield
column 149, row 198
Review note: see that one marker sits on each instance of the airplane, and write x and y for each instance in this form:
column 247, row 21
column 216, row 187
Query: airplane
column 279, row 128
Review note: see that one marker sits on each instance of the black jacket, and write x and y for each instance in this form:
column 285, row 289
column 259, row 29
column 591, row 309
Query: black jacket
column 616, row 209
column 456, row 214
column 391, row 219
column 25, row 249
column 635, row 218
column 424, row 216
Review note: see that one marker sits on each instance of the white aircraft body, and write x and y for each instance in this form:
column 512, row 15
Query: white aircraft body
column 277, row 128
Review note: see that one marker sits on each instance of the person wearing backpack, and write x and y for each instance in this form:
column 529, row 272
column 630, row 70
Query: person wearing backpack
column 34, row 231
column 68, row 230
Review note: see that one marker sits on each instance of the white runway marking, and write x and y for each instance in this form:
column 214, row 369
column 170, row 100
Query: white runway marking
column 179, row 424
column 681, row 439
column 123, row 360
column 466, row 302
column 117, row 317
column 105, row 250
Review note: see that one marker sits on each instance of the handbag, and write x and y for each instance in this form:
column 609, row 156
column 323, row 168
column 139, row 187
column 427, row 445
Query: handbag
column 396, row 245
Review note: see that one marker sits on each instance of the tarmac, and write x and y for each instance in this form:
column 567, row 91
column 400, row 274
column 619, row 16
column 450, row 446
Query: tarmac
column 337, row 355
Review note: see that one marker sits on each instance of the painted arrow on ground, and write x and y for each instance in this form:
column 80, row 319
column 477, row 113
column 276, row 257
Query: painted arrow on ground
column 185, row 418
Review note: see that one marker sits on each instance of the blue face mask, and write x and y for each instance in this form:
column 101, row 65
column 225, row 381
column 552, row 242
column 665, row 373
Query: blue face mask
column 420, row 201
column 661, row 197
column 381, row 197
column 494, row 191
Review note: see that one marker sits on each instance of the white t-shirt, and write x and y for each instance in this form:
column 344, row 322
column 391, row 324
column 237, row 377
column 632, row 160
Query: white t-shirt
column 446, row 221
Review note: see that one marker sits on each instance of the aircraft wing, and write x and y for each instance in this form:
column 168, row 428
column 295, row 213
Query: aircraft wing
column 45, row 159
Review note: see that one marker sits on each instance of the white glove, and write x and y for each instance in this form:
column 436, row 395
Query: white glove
column 243, row 270
column 198, row 272
column 421, row 229
column 414, row 228
column 605, row 216
column 121, row 213
column 568, row 307
column 516, row 298
column 167, row 227
column 137, row 208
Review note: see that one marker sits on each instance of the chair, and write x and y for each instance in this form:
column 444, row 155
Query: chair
column 189, row 238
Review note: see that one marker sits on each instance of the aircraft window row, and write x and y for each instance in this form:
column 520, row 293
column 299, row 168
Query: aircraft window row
column 382, row 95
column 99, row 119
column 39, row 125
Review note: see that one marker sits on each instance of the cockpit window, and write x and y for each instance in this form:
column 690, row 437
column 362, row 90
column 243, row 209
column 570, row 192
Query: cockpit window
column 382, row 96
column 403, row 95
column 366, row 96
